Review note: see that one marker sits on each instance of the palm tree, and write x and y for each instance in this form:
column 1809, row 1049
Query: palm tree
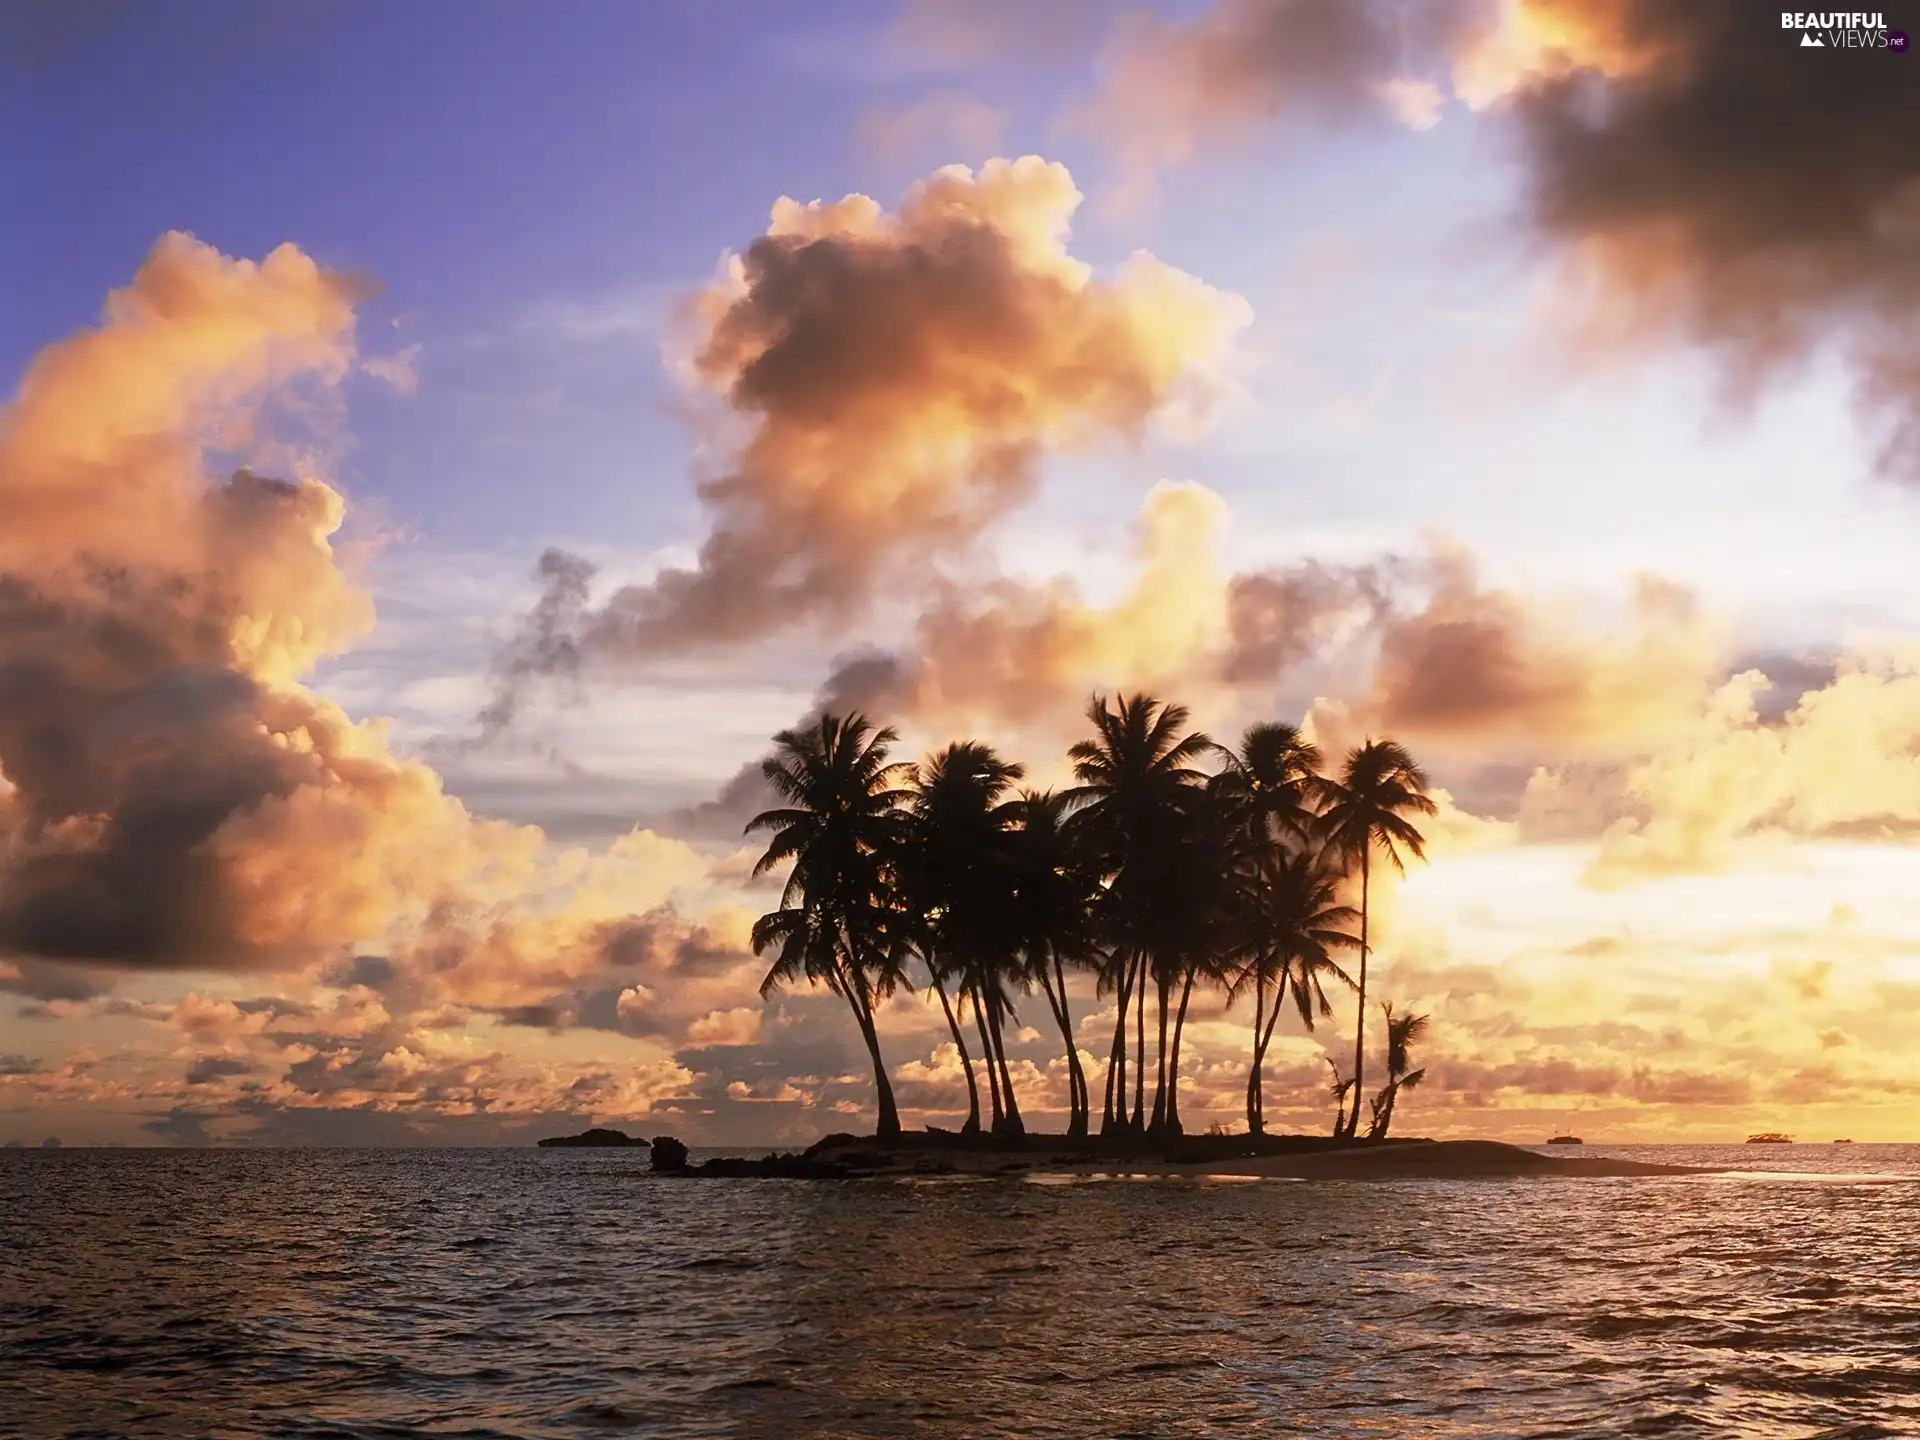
column 1270, row 785
column 963, row 870
column 1365, row 810
column 1137, row 789
column 1211, row 930
column 1304, row 922
column 836, row 924
column 1055, row 895
column 911, row 883
column 1338, row 1088
column 1403, row 1032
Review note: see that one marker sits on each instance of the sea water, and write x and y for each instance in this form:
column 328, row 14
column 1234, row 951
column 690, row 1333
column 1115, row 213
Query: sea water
column 531, row 1293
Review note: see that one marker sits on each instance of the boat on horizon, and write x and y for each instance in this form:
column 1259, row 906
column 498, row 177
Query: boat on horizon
column 1843, row 1142
column 1770, row 1137
column 1566, row 1140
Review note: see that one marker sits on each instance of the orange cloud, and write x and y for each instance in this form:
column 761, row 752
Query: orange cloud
column 174, row 795
column 892, row 380
column 1843, row 764
column 1170, row 91
column 1489, row 667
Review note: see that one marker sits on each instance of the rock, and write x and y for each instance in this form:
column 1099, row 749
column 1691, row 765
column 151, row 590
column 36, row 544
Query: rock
column 592, row 1138
column 669, row 1155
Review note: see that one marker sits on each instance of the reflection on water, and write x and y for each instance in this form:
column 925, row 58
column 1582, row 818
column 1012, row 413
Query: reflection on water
column 566, row 1293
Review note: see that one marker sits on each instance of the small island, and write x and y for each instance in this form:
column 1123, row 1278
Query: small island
column 612, row 1139
column 930, row 1154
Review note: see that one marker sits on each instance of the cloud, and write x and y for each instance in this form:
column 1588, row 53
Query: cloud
column 1843, row 764
column 1724, row 186
column 1008, row 652
column 1700, row 176
column 165, row 769
column 1171, row 91
column 891, row 381
column 958, row 34
column 174, row 796
column 1413, row 646
column 180, row 1126
column 39, row 980
column 1490, row 667
column 1280, row 617
column 212, row 1068
column 401, row 370
column 945, row 120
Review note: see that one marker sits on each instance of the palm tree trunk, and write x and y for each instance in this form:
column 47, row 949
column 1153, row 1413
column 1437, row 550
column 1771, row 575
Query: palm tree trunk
column 1010, row 1123
column 1173, row 1072
column 1261, row 1042
column 1256, row 1123
column 1139, row 1045
column 1360, row 1022
column 986, row 1055
column 972, row 1127
column 888, row 1126
column 1076, row 1075
column 1378, row 1130
column 1113, row 1115
column 1057, row 1006
column 1160, row 1063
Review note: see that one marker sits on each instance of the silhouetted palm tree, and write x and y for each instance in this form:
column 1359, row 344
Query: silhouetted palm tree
column 1211, row 932
column 1403, row 1033
column 1304, row 923
column 1055, row 895
column 837, row 924
column 1366, row 810
column 1338, row 1089
column 962, row 855
column 912, row 883
column 1138, row 787
column 1271, row 786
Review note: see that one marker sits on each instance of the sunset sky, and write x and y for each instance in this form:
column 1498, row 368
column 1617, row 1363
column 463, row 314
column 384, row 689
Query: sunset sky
column 1534, row 383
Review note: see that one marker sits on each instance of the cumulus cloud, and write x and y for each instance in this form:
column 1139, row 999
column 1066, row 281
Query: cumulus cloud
column 1419, row 646
column 1009, row 652
column 175, row 796
column 1492, row 667
column 891, row 381
column 1843, row 764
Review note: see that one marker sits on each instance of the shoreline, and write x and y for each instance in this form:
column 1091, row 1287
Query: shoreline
column 1291, row 1157
column 1443, row 1160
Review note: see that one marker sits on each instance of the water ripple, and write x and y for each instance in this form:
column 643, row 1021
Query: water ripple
column 567, row 1294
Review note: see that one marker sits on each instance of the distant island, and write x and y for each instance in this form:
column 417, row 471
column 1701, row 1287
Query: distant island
column 605, row 1138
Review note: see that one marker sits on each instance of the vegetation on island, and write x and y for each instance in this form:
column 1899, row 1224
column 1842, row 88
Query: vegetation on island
column 1175, row 865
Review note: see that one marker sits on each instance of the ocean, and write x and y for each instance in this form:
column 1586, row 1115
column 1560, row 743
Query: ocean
column 524, row 1293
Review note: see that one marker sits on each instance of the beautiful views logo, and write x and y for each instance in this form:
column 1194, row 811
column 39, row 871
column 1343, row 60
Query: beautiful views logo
column 1843, row 30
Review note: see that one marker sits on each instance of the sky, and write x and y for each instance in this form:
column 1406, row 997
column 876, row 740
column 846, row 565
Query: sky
column 445, row 442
